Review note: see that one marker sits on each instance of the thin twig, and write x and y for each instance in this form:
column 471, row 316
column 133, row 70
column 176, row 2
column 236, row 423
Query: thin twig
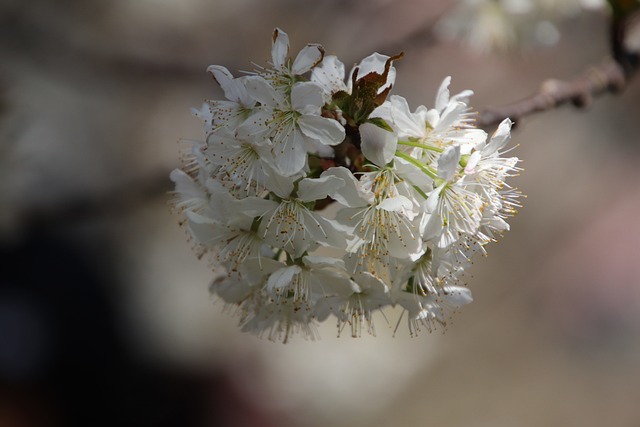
column 608, row 77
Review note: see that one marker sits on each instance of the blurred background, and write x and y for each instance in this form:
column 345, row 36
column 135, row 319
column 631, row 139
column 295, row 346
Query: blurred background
column 105, row 315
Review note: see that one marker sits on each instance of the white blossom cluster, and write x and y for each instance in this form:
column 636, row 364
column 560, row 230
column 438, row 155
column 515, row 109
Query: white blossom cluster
column 418, row 194
column 503, row 25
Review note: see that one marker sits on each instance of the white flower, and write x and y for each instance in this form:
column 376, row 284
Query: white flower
column 355, row 305
column 308, row 280
column 420, row 193
column 432, row 309
column 453, row 208
column 377, row 144
column 329, row 74
column 190, row 194
column 423, row 277
column 284, row 71
column 243, row 165
column 380, row 215
column 486, row 166
column 484, row 25
column 430, row 130
column 222, row 229
column 234, row 241
column 289, row 293
column 374, row 63
column 290, row 223
column 486, row 171
column 502, row 25
column 293, row 122
column 231, row 112
column 279, row 321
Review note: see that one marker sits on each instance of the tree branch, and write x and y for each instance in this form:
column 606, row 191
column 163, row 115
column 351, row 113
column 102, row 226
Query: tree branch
column 609, row 77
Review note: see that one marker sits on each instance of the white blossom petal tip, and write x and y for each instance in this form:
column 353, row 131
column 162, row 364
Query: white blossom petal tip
column 378, row 145
column 279, row 48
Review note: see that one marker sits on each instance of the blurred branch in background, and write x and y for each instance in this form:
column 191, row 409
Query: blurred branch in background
column 609, row 77
column 599, row 80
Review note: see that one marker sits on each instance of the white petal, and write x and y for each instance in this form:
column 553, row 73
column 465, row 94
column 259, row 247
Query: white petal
column 447, row 238
column 246, row 100
column 234, row 89
column 377, row 144
column 279, row 184
column 263, row 148
column 375, row 63
column 319, row 188
column 408, row 301
column 204, row 230
column 319, row 149
column 221, row 144
column 457, row 296
column 324, row 231
column 279, row 48
column 204, row 113
column 350, row 194
column 395, row 204
column 321, row 261
column 225, row 113
column 467, row 138
column 432, row 201
column 254, row 269
column 411, row 173
column 372, row 63
column 289, row 154
column 442, row 98
column 308, row 58
column 500, row 138
column 404, row 119
column 282, row 278
column 231, row 289
column 450, row 115
column 448, row 163
column 432, row 117
column 261, row 91
column 325, row 131
column 221, row 204
column 368, row 282
column 406, row 244
column 496, row 223
column 391, row 79
column 330, row 305
column 462, row 96
column 255, row 127
column 255, row 206
column 185, row 185
column 329, row 74
column 305, row 94
column 472, row 162
column 431, row 227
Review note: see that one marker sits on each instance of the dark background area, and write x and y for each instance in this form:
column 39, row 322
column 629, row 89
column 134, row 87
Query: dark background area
column 105, row 316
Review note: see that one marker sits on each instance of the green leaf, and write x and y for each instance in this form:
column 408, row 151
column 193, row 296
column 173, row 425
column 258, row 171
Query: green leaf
column 381, row 123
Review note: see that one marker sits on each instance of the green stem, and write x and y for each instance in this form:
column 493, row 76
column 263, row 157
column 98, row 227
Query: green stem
column 423, row 146
column 426, row 169
column 422, row 193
